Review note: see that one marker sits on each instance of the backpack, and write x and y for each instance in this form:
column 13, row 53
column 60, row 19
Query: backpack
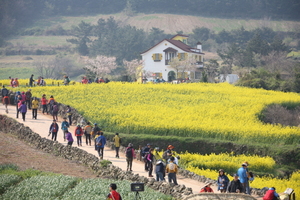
column 129, row 152
column 55, row 108
column 51, row 102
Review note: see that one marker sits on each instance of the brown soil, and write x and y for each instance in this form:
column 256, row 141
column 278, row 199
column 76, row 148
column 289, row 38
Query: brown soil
column 15, row 151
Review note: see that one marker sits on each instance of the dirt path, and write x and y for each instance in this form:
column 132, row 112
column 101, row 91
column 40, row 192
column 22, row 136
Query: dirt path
column 59, row 165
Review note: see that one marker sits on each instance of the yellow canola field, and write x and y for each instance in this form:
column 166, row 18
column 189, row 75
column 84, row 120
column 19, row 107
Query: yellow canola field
column 227, row 161
column 204, row 110
column 259, row 182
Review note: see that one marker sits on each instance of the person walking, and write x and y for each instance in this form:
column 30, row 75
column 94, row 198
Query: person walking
column 44, row 104
column 4, row 91
column 64, row 127
column 96, row 133
column 160, row 171
column 68, row 137
column 34, row 106
column 79, row 133
column 235, row 186
column 242, row 173
column 69, row 114
column 87, row 132
column 23, row 110
column 23, row 96
column 28, row 96
column 51, row 103
column 55, row 110
column 100, row 142
column 150, row 160
column 53, row 130
column 18, row 102
column 172, row 169
column 6, row 102
column 31, row 80
column 222, row 181
column 117, row 143
column 130, row 154
column 145, row 152
column 113, row 194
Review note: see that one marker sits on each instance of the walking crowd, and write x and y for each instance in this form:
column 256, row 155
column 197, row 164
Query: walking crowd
column 167, row 164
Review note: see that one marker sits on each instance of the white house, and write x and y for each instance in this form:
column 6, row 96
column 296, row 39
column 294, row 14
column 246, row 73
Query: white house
column 157, row 58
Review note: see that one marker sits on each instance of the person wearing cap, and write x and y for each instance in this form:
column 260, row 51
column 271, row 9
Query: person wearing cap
column 117, row 143
column 28, row 96
column 87, row 133
column 207, row 188
column 222, row 181
column 78, row 133
column 100, row 143
column 271, row 194
column 53, row 129
column 160, row 171
column 130, row 154
column 242, row 173
column 113, row 194
column 31, row 80
column 64, row 127
column 235, row 186
column 34, row 105
column 172, row 169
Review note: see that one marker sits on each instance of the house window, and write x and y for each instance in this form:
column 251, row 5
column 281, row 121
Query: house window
column 182, row 56
column 157, row 57
column 169, row 56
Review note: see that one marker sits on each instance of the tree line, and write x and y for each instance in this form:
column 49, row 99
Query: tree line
column 17, row 13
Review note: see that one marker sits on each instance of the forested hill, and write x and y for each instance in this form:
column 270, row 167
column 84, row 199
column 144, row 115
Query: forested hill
column 15, row 13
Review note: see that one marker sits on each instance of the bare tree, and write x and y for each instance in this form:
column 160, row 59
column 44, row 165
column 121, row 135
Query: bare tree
column 134, row 68
column 101, row 65
column 185, row 65
column 278, row 62
column 45, row 68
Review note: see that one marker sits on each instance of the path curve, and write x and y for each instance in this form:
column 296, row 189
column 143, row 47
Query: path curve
column 43, row 122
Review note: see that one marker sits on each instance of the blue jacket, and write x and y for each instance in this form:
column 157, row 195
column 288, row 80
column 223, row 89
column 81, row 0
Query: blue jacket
column 221, row 183
column 242, row 173
column 64, row 125
column 101, row 139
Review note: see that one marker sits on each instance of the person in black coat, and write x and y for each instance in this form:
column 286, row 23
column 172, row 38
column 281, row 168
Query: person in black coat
column 235, row 186
column 160, row 171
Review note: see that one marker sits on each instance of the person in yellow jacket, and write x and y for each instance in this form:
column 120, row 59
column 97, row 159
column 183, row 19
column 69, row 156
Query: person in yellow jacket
column 34, row 106
column 117, row 143
column 87, row 132
column 172, row 169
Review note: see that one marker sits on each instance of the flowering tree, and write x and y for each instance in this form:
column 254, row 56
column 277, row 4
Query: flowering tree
column 101, row 65
column 134, row 68
column 188, row 64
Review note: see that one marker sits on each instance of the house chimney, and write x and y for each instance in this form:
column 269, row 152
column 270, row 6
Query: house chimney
column 199, row 46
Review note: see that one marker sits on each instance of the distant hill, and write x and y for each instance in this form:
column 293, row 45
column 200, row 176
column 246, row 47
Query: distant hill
column 171, row 23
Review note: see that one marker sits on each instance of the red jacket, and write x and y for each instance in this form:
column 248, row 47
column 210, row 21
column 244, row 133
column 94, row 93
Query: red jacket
column 206, row 189
column 115, row 194
column 81, row 131
column 269, row 195
column 44, row 101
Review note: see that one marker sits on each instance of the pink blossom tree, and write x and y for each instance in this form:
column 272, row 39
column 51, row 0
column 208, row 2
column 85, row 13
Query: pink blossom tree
column 134, row 68
column 101, row 65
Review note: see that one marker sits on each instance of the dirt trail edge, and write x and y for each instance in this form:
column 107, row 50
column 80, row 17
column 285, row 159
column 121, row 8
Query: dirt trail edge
column 41, row 126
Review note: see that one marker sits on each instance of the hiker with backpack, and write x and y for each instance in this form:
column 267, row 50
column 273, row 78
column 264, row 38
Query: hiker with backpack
column 68, row 137
column 117, row 143
column 160, row 171
column 87, row 133
column 172, row 169
column 145, row 152
column 79, row 133
column 69, row 114
column 55, row 110
column 130, row 154
column 53, row 129
column 66, row 80
column 100, row 142
column 51, row 103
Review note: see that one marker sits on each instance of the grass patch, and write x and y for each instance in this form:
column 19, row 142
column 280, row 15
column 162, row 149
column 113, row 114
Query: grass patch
column 16, row 72
column 40, row 41
column 146, row 18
